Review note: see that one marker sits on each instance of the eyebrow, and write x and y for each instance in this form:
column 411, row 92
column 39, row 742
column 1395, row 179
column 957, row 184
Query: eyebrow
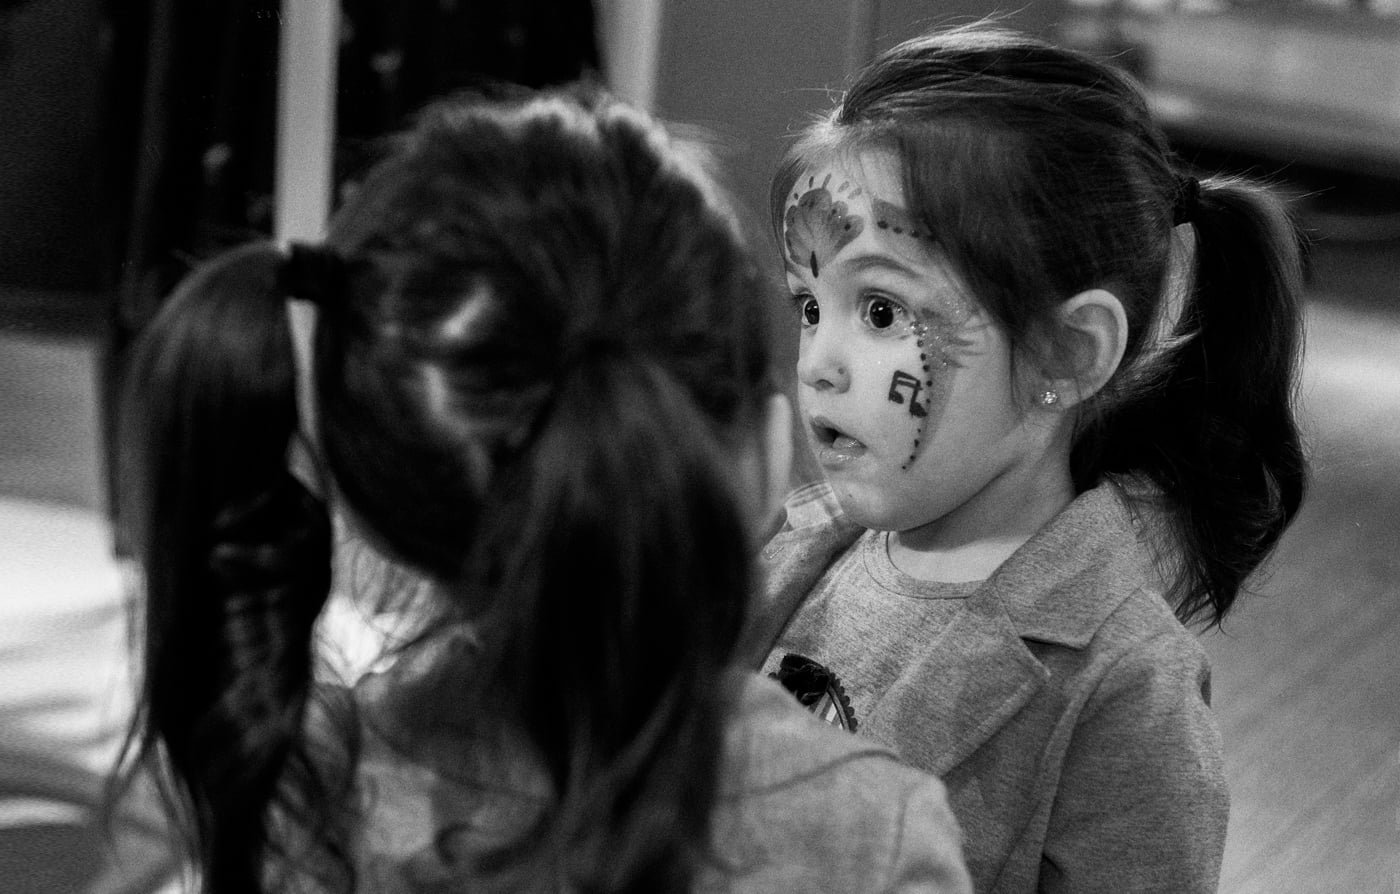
column 863, row 262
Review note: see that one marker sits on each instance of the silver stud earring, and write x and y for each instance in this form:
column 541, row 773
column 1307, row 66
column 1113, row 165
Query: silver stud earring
column 1049, row 398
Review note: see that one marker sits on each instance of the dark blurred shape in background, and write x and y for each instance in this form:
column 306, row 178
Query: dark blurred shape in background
column 139, row 137
column 49, row 121
column 193, row 93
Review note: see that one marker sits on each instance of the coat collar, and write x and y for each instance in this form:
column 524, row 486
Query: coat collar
column 1059, row 587
column 1064, row 582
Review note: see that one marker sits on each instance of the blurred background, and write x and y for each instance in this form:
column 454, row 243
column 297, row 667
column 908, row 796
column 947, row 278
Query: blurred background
column 137, row 137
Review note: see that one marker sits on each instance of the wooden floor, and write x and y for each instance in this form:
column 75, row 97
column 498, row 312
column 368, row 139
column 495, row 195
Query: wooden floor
column 1307, row 673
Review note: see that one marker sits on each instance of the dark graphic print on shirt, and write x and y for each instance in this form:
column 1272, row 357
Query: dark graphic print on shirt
column 818, row 689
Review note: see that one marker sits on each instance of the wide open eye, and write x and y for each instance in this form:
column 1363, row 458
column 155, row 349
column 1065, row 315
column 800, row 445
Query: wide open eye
column 811, row 311
column 882, row 313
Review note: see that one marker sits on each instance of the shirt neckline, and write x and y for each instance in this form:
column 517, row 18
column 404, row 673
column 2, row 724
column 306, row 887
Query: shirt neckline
column 875, row 553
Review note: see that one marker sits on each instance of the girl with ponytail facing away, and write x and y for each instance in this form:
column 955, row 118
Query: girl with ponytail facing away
column 1048, row 374
column 538, row 395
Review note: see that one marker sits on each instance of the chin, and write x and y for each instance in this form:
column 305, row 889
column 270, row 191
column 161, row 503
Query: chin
column 864, row 510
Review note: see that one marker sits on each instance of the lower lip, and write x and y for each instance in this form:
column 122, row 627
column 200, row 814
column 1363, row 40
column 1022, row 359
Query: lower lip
column 831, row 456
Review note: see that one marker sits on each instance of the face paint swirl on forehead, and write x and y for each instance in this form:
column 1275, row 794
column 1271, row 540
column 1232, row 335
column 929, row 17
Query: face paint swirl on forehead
column 817, row 226
column 889, row 216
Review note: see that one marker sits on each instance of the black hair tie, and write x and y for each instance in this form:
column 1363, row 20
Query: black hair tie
column 314, row 273
column 1188, row 197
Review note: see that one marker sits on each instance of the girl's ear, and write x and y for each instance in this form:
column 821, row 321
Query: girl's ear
column 1097, row 334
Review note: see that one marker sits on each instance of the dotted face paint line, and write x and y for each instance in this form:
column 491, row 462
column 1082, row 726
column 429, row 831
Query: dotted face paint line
column 889, row 216
column 932, row 356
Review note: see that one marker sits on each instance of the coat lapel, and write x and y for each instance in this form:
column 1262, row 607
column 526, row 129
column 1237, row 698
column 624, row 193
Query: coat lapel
column 973, row 679
column 1057, row 588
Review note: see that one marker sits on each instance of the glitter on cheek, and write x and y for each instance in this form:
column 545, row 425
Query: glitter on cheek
column 931, row 359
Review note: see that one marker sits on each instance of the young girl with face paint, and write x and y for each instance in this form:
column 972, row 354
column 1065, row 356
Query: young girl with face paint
column 1048, row 376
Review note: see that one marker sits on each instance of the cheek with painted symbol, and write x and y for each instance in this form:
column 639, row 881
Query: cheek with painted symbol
column 919, row 385
column 922, row 385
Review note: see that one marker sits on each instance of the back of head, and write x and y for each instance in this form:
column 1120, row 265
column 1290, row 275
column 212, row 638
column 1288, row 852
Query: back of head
column 513, row 270
column 548, row 361
column 1041, row 175
column 536, row 363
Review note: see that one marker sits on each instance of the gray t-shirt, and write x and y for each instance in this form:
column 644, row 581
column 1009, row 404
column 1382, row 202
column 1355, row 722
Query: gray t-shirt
column 864, row 623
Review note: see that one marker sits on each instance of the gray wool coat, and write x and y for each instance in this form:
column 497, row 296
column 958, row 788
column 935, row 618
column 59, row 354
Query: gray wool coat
column 1065, row 707
column 801, row 807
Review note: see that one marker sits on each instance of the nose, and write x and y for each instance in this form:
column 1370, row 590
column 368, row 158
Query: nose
column 821, row 360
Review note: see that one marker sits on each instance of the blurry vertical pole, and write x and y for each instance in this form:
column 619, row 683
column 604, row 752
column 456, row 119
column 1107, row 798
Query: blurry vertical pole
column 302, row 181
column 860, row 40
column 631, row 32
column 305, row 118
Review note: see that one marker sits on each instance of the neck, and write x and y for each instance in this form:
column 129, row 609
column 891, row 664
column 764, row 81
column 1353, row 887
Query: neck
column 973, row 540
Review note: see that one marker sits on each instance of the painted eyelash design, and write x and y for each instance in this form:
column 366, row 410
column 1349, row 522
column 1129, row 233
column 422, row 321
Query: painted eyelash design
column 938, row 337
column 947, row 340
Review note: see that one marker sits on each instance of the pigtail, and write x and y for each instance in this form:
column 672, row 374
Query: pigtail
column 625, row 491
column 235, row 554
column 1217, row 434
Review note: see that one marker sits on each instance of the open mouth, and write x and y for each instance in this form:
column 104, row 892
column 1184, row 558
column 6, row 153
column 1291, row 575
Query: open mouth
column 833, row 442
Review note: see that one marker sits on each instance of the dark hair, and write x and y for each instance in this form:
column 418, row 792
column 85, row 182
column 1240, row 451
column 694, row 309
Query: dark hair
column 1041, row 174
column 234, row 554
column 532, row 371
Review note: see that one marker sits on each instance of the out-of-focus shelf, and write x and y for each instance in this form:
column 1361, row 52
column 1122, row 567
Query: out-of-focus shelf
column 61, row 313
column 1317, row 136
column 1295, row 83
